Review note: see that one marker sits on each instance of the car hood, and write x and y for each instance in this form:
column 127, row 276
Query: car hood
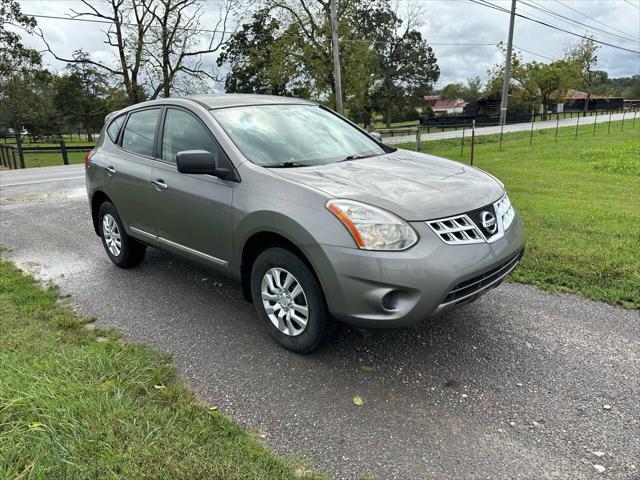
column 412, row 185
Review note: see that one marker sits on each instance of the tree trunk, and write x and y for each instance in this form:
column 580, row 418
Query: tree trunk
column 586, row 104
column 387, row 116
column 89, row 134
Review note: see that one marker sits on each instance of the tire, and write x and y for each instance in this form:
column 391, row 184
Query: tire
column 291, row 334
column 129, row 252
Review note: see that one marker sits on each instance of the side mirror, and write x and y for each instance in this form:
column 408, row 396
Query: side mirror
column 202, row 162
column 376, row 136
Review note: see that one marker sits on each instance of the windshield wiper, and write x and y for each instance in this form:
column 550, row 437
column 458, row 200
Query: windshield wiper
column 286, row 165
column 358, row 157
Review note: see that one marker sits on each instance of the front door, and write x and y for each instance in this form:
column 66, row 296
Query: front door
column 128, row 170
column 192, row 212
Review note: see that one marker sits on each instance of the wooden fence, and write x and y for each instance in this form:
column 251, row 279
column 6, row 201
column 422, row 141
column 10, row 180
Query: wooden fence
column 12, row 155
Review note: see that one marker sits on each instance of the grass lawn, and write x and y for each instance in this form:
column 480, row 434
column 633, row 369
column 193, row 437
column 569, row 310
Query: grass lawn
column 79, row 403
column 580, row 201
column 41, row 159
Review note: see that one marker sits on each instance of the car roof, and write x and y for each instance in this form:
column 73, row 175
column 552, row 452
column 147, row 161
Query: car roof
column 225, row 100
column 215, row 101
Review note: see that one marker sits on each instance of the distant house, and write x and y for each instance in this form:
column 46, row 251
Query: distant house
column 576, row 99
column 445, row 106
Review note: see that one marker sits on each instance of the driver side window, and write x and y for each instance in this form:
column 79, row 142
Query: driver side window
column 182, row 131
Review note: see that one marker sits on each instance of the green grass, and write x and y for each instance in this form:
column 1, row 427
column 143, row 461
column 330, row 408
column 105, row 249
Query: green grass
column 80, row 403
column 580, row 202
column 40, row 159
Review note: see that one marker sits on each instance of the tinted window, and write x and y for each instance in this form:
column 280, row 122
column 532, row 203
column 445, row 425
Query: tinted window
column 139, row 132
column 302, row 134
column 114, row 128
column 182, row 131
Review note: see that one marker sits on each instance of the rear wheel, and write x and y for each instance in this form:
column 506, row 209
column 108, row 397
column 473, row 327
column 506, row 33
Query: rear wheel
column 288, row 298
column 121, row 249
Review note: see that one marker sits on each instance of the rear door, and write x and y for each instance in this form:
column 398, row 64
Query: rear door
column 193, row 212
column 128, row 170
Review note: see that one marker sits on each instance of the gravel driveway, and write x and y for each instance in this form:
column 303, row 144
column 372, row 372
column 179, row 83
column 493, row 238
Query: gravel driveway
column 520, row 384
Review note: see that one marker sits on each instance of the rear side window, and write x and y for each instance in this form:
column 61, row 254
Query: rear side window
column 139, row 132
column 114, row 128
column 182, row 131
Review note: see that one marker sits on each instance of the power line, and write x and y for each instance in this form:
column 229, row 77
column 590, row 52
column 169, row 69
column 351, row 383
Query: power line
column 534, row 53
column 629, row 3
column 591, row 18
column 485, row 3
column 213, row 31
column 569, row 20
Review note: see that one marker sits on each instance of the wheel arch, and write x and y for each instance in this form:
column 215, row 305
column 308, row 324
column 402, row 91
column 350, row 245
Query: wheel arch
column 257, row 243
column 97, row 199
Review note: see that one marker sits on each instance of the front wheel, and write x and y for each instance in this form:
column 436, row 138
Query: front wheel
column 122, row 250
column 288, row 298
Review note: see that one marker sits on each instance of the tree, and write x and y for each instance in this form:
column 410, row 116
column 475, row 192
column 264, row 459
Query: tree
column 81, row 95
column 172, row 47
column 14, row 56
column 533, row 84
column 257, row 59
column 546, row 81
column 19, row 67
column 584, row 57
column 156, row 43
column 407, row 65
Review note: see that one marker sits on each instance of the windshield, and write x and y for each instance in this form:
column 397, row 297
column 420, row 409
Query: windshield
column 294, row 135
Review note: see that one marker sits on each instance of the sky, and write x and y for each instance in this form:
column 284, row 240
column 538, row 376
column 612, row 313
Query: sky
column 454, row 22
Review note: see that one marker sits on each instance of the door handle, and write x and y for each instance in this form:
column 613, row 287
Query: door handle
column 159, row 184
column 110, row 170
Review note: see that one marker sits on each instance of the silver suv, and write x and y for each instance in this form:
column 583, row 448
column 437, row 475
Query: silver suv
column 318, row 219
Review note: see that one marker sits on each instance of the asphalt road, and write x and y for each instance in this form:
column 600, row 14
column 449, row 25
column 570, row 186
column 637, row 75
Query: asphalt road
column 520, row 384
column 515, row 127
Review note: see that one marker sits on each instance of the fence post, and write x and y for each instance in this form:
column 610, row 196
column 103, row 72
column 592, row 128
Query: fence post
column 557, row 125
column 63, row 149
column 2, row 150
column 531, row 133
column 609, row 130
column 634, row 119
column 462, row 142
column 501, row 129
column 15, row 160
column 595, row 122
column 623, row 114
column 20, row 152
column 418, row 139
column 577, row 125
column 473, row 138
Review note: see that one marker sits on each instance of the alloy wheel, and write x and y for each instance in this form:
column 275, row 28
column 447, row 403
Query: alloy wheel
column 284, row 301
column 111, row 234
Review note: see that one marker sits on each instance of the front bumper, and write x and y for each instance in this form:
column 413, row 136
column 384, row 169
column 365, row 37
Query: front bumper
column 395, row 289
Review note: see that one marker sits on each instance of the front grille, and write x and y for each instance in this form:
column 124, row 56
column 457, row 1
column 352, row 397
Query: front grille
column 457, row 230
column 486, row 224
column 469, row 287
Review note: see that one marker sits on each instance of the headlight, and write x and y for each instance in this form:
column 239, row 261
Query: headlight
column 373, row 228
column 505, row 210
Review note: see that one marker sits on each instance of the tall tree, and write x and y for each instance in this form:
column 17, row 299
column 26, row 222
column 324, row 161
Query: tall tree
column 18, row 69
column 407, row 64
column 533, row 84
column 81, row 95
column 157, row 42
column 14, row 55
column 259, row 58
column 547, row 82
column 173, row 44
column 584, row 57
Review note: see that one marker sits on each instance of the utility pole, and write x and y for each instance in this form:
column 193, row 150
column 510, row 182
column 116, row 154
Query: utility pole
column 507, row 67
column 335, row 47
